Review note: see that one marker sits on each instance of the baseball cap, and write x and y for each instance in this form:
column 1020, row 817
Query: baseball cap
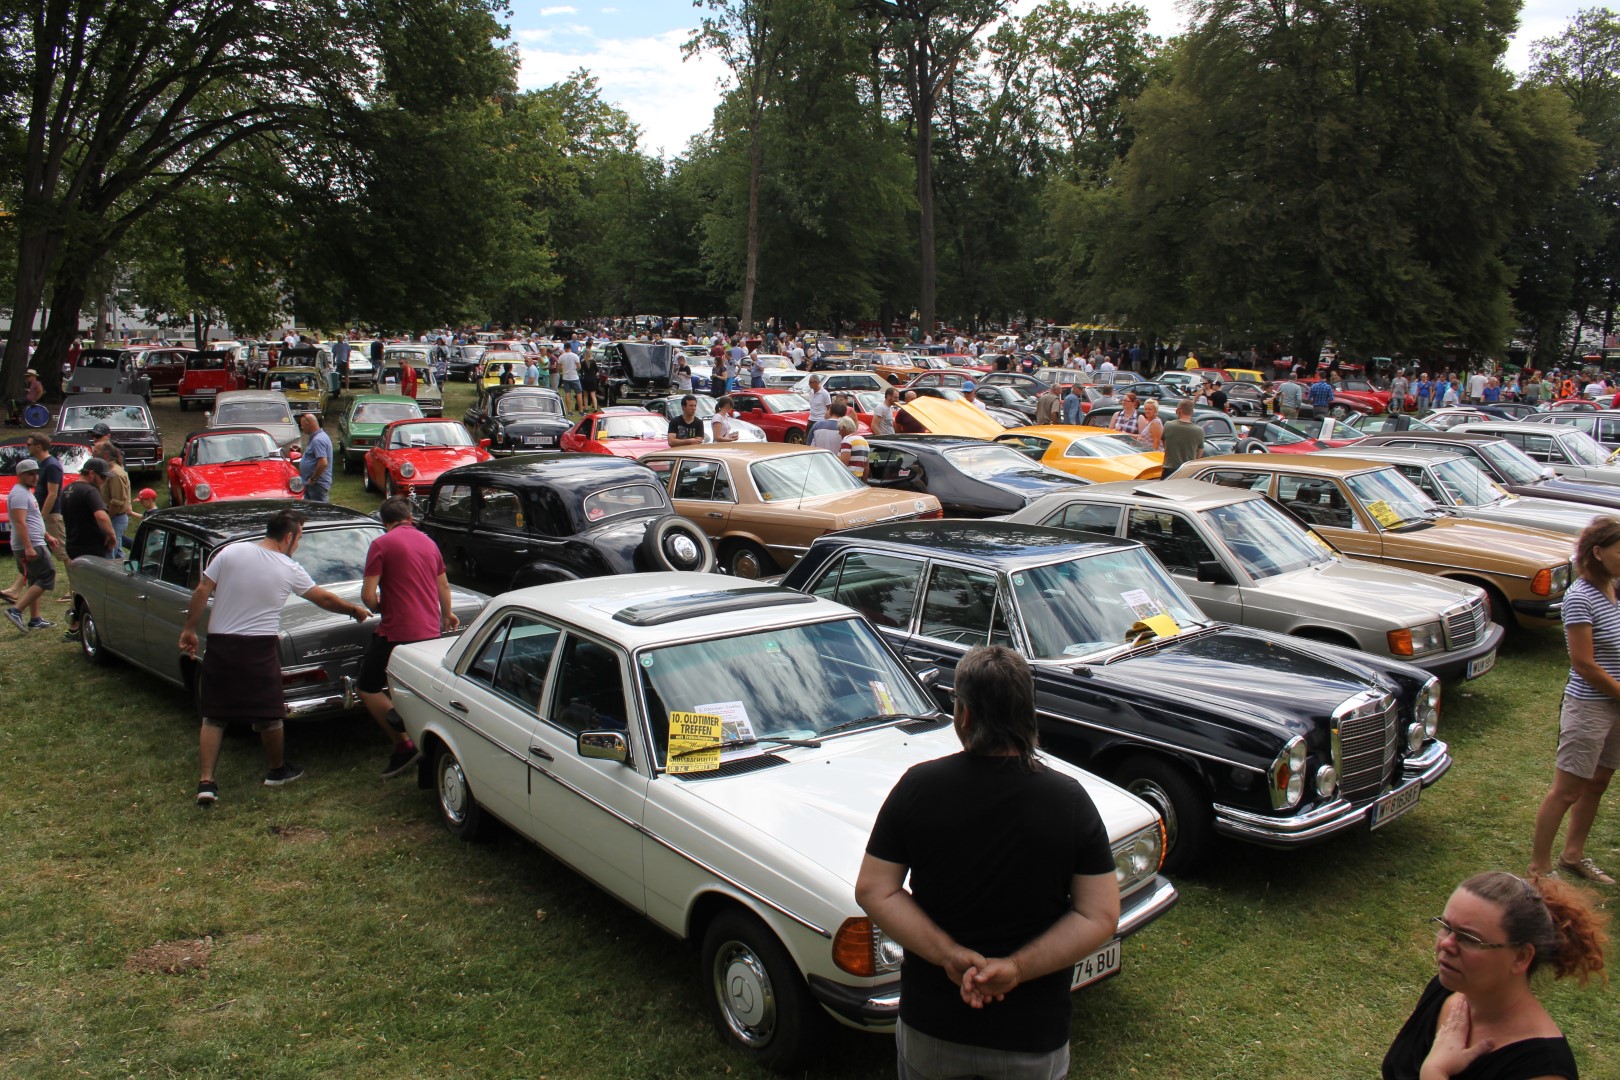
column 30, row 371
column 99, row 430
column 147, row 493
column 27, row 465
column 968, row 385
column 96, row 465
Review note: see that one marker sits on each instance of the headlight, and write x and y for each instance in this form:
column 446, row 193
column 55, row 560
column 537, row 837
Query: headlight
column 1552, row 581
column 1428, row 707
column 203, row 492
column 407, row 470
column 1287, row 775
column 860, row 948
column 1137, row 857
column 295, row 485
column 1327, row 781
column 1560, row 579
column 1417, row 640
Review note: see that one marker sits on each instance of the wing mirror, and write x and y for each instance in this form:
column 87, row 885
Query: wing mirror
column 1214, row 572
column 604, row 746
column 175, row 462
column 483, row 444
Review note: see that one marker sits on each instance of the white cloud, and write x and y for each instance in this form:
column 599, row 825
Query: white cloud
column 668, row 97
column 562, row 10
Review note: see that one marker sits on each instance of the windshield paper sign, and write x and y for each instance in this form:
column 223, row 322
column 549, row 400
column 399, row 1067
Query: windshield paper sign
column 694, row 742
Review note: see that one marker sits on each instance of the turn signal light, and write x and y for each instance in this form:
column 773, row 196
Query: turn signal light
column 852, row 947
column 1542, row 584
column 1400, row 642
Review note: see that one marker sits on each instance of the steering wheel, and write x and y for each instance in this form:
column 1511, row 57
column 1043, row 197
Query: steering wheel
column 958, row 636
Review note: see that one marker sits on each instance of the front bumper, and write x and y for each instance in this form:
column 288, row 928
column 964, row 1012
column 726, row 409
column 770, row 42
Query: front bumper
column 1547, row 611
column 1331, row 818
column 325, row 702
column 1454, row 665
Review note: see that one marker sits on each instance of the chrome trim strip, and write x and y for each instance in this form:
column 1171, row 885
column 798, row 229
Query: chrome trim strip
column 1134, row 737
column 1146, row 904
column 1300, row 828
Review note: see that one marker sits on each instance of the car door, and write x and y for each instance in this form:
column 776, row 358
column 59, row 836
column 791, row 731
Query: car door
column 121, row 616
column 449, row 521
column 498, row 541
column 588, row 811
column 895, row 469
column 1323, row 504
column 702, row 494
column 960, row 608
column 165, row 599
column 1176, row 541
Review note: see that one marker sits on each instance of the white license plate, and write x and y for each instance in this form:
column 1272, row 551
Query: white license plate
column 1105, row 961
column 1476, row 668
column 1397, row 802
column 539, row 440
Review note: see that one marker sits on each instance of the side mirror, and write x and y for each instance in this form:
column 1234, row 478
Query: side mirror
column 208, row 419
column 604, row 746
column 175, row 462
column 1215, row 572
column 130, row 566
column 483, row 444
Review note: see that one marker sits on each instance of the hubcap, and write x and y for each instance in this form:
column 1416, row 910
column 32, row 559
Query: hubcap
column 743, row 988
column 87, row 635
column 1156, row 797
column 683, row 551
column 745, row 565
column 453, row 790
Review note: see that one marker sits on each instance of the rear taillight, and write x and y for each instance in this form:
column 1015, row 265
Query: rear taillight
column 308, row 676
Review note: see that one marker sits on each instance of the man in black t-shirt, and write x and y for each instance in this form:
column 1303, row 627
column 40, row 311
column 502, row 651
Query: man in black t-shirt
column 89, row 527
column 1012, row 883
column 686, row 429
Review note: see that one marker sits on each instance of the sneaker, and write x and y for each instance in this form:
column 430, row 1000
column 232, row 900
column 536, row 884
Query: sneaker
column 40, row 624
column 17, row 619
column 284, row 775
column 401, row 760
column 71, row 635
column 207, row 793
column 1586, row 868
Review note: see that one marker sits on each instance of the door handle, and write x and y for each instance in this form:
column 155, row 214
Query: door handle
column 540, row 752
column 715, row 514
column 458, row 706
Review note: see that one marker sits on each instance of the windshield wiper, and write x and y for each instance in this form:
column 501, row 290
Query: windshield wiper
column 1134, row 648
column 876, row 718
column 733, row 744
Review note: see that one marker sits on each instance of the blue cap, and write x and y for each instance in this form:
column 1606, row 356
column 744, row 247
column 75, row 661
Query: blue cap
column 968, row 385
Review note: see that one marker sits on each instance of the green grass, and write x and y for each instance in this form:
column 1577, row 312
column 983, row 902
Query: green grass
column 347, row 933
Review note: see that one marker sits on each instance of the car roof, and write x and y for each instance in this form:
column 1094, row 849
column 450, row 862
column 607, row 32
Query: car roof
column 553, row 468
column 744, row 450
column 367, row 399
column 1419, row 454
column 1431, row 436
column 208, row 432
column 74, row 400
column 1191, row 494
column 929, row 442
column 251, row 395
column 241, row 519
column 1337, row 464
column 1004, row 544
column 1485, row 427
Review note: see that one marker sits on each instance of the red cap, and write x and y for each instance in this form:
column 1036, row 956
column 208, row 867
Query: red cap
column 147, row 493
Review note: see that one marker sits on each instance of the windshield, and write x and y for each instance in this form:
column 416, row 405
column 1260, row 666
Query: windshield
column 527, row 403
column 242, row 446
column 293, row 380
column 1390, row 498
column 252, row 412
column 1086, row 606
column 117, row 417
column 989, row 462
column 1266, row 541
column 1582, row 448
column 1104, row 446
column 802, row 476
column 384, row 412
column 422, row 435
column 1513, row 463
column 632, row 427
column 781, row 403
column 98, row 362
column 333, row 555
column 795, row 683
column 1338, row 429
column 1466, row 484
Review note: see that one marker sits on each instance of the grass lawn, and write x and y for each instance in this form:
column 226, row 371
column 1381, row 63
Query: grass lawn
column 334, row 928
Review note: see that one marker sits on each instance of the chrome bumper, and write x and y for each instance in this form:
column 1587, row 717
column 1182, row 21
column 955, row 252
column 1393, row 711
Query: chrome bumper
column 1429, row 766
column 1145, row 905
column 304, row 708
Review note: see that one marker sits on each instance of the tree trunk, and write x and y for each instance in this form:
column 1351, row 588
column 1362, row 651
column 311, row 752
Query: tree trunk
column 33, row 256
column 751, row 268
column 61, row 327
column 925, row 209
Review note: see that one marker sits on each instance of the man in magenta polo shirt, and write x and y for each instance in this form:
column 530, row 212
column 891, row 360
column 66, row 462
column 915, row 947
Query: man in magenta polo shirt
column 405, row 580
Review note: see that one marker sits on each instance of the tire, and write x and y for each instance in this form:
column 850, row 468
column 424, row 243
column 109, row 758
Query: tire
column 348, row 463
column 794, row 436
column 389, row 490
column 1250, row 446
column 673, row 543
column 758, row 998
column 746, row 559
column 90, row 643
column 1339, row 412
column 365, row 480
column 184, row 405
column 457, row 807
column 1189, row 826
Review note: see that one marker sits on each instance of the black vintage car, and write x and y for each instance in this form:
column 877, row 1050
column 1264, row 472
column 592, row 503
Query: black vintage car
column 641, row 366
column 538, row 518
column 1224, row 729
column 517, row 418
column 1507, row 465
column 969, row 477
column 134, row 431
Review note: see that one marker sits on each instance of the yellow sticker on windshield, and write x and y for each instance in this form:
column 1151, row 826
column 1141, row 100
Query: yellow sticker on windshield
column 1162, row 625
column 694, row 742
column 1383, row 514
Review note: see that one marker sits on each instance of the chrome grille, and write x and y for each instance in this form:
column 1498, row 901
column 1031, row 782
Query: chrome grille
column 1465, row 626
column 1367, row 747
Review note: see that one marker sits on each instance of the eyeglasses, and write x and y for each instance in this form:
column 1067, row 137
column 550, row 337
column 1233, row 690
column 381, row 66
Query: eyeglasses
column 1466, row 940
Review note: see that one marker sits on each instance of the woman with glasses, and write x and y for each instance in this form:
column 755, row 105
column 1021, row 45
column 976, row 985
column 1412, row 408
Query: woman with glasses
column 1478, row 1018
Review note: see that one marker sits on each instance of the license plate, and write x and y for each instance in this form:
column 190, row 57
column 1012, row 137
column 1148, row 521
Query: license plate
column 1476, row 668
column 539, row 440
column 1104, row 962
column 1397, row 802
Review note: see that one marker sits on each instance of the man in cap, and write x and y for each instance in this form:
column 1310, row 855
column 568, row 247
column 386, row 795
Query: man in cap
column 30, row 543
column 88, row 524
column 33, row 389
column 100, row 435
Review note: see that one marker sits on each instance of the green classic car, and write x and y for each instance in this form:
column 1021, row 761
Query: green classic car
column 361, row 425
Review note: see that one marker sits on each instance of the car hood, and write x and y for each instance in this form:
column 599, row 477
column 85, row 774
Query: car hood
column 1596, row 474
column 280, row 434
column 941, row 417
column 245, row 479
column 318, row 633
column 1480, row 544
column 432, row 460
column 1125, row 467
column 634, row 448
column 1035, row 483
column 1366, row 588
column 1572, row 491
column 1548, row 515
column 823, row 802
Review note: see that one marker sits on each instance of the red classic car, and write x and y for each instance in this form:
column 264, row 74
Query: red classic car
column 209, row 373
column 411, row 454
column 784, row 415
column 231, row 463
column 13, row 448
column 163, row 366
column 623, row 431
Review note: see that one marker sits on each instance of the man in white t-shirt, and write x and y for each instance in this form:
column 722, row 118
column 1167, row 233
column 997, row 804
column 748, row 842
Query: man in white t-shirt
column 240, row 671
column 1476, row 387
column 568, row 366
column 820, row 400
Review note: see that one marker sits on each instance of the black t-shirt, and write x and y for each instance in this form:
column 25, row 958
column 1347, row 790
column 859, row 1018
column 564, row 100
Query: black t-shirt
column 1523, row 1060
column 992, row 850
column 79, row 505
column 681, row 428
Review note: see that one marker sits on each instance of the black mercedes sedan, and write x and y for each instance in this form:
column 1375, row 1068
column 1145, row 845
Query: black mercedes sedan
column 1507, row 465
column 128, row 416
column 517, row 418
column 969, row 477
column 1226, row 730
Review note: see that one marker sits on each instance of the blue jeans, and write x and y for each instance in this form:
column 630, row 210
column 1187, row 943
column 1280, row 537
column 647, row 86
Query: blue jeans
column 317, row 492
column 120, row 523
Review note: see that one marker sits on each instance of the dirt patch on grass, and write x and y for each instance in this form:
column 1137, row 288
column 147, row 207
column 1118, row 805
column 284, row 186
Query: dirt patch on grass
column 405, row 830
column 298, row 834
column 171, row 957
column 479, row 900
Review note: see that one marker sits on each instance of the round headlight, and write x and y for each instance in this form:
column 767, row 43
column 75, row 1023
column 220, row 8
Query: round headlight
column 889, row 953
column 1414, row 737
column 1428, row 707
column 295, row 485
column 203, row 492
column 1327, row 781
column 407, row 470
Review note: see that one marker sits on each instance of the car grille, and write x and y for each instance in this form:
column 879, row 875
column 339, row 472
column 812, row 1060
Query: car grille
column 1366, row 749
column 1466, row 626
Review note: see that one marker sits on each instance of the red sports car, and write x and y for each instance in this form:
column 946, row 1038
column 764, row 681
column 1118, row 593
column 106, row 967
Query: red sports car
column 784, row 415
column 410, row 454
column 1279, row 436
column 14, row 448
column 623, row 431
column 231, row 463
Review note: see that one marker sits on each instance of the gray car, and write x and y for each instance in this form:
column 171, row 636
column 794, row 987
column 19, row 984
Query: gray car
column 429, row 395
column 1572, row 454
column 1246, row 561
column 267, row 410
column 134, row 609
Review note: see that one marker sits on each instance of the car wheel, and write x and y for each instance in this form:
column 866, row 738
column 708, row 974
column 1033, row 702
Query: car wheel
column 1339, row 412
column 1250, row 446
column 184, row 405
column 90, row 643
column 173, row 500
column 390, row 490
column 460, row 810
column 793, row 435
column 1188, row 820
column 673, row 543
column 760, row 1000
column 746, row 559
column 365, row 479
column 348, row 463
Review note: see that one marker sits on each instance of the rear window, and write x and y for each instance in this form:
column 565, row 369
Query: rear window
column 629, row 499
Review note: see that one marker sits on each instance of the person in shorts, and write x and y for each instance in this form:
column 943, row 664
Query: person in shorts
column 405, row 581
column 240, row 671
column 1589, row 720
column 89, row 526
column 31, row 544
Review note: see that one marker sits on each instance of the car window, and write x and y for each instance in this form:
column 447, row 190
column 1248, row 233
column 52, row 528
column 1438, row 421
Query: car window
column 1243, row 481
column 1028, row 445
column 704, row 480
column 629, row 499
column 1087, row 517
column 513, row 661
column 453, row 502
column 499, row 508
column 881, row 587
column 149, row 560
column 1316, row 501
column 1426, row 483
column 962, row 607
column 1171, row 537
column 182, row 561
column 590, row 691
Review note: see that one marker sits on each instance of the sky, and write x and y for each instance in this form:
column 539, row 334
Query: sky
column 633, row 47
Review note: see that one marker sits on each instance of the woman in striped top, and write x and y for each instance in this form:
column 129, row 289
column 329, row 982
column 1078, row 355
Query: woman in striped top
column 1589, row 721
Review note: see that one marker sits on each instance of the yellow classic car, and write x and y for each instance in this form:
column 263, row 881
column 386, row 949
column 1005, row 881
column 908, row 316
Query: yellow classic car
column 1091, row 453
column 1368, row 510
column 497, row 362
column 939, row 416
column 304, row 387
column 763, row 503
